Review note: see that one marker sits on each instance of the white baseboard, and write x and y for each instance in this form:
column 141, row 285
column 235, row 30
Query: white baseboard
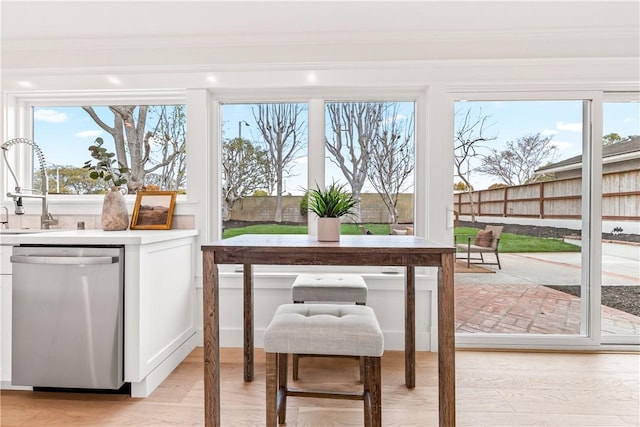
column 145, row 387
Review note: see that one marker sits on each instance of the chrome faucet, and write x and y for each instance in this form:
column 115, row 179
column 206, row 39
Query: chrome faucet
column 46, row 219
column 5, row 223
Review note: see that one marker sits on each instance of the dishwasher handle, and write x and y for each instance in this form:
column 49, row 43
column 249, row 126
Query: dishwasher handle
column 64, row 260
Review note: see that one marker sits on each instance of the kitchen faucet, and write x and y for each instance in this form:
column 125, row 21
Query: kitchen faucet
column 4, row 224
column 46, row 219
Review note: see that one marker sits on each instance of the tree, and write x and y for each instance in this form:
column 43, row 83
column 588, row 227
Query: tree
column 469, row 134
column 391, row 160
column 281, row 128
column 611, row 138
column 167, row 159
column 354, row 127
column 70, row 180
column 133, row 142
column 517, row 163
column 460, row 186
column 243, row 172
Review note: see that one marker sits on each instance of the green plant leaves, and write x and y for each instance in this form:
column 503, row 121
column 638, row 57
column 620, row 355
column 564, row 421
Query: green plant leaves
column 106, row 167
column 332, row 202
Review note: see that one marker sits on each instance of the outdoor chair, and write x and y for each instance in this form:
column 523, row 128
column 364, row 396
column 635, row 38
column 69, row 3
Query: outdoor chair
column 486, row 241
column 401, row 229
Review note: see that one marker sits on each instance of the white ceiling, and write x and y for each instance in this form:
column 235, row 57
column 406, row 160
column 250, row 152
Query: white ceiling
column 239, row 22
column 242, row 41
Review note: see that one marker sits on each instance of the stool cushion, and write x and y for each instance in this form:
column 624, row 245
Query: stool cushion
column 333, row 329
column 330, row 287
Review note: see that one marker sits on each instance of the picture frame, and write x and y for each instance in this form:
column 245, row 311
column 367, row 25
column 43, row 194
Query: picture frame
column 153, row 210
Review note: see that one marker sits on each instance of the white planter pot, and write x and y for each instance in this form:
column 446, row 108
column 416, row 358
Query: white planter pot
column 328, row 229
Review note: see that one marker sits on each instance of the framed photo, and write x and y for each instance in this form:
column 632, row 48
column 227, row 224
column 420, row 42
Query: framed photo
column 153, row 210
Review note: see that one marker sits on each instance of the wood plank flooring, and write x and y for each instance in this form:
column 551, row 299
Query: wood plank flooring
column 508, row 389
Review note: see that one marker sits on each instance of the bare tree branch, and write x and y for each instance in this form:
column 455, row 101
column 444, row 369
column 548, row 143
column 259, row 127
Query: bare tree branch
column 391, row 159
column 517, row 163
column 354, row 127
column 281, row 128
column 469, row 134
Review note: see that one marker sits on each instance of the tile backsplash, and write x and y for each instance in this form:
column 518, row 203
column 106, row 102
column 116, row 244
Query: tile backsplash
column 70, row 222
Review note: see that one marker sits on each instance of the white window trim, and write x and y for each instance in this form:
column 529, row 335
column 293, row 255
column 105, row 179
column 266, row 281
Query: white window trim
column 591, row 226
column 18, row 121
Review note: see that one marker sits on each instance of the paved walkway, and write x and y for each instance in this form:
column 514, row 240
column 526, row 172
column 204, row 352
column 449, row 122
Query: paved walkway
column 516, row 300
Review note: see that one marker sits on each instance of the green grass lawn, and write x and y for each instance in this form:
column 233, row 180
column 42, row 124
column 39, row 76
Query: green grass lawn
column 520, row 243
column 508, row 242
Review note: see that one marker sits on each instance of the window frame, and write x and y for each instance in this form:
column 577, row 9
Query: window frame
column 316, row 101
column 18, row 120
column 591, row 220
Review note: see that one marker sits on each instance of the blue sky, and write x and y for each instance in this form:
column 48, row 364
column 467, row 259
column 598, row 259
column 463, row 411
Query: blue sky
column 64, row 133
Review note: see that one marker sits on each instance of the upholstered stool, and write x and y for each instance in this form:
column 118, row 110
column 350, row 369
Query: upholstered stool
column 326, row 329
column 328, row 287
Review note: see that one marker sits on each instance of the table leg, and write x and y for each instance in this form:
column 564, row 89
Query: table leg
column 211, row 331
column 446, row 343
column 410, row 327
column 248, row 322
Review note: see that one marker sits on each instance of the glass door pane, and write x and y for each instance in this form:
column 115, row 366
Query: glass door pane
column 518, row 176
column 620, row 295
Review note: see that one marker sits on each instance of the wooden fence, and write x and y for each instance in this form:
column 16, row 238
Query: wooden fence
column 556, row 199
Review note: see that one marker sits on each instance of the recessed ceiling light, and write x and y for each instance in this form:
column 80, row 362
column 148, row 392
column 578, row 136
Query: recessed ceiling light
column 312, row 77
column 114, row 80
column 212, row 79
column 25, row 84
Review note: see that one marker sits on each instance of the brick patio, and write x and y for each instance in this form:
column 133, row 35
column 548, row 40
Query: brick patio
column 515, row 300
column 533, row 309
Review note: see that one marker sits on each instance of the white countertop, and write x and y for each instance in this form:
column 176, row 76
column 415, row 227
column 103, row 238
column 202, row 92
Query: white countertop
column 98, row 237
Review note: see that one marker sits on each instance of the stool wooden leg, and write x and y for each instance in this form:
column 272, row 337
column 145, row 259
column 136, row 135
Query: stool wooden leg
column 294, row 369
column 366, row 391
column 283, row 359
column 271, row 389
column 376, row 391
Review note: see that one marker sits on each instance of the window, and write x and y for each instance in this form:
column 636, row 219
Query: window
column 370, row 147
column 264, row 169
column 149, row 140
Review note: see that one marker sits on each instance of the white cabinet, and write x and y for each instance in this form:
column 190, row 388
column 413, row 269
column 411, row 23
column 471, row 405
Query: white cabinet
column 5, row 314
column 160, row 294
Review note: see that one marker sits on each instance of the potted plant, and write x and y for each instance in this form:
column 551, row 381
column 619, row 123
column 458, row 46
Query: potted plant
column 330, row 204
column 115, row 215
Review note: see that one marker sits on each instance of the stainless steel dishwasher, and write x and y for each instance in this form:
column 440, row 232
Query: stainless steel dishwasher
column 68, row 306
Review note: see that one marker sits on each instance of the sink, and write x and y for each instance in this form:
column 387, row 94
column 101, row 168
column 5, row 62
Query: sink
column 4, row 231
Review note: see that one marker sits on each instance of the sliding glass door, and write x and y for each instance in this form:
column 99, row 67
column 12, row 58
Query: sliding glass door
column 620, row 292
column 522, row 173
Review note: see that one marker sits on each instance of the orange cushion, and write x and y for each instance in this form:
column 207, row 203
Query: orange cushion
column 483, row 238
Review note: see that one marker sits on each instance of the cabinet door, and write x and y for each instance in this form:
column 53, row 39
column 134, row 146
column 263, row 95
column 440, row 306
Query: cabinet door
column 5, row 327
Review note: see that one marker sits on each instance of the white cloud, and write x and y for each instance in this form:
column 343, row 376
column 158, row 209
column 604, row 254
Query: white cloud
column 562, row 145
column 88, row 134
column 302, row 160
column 572, row 127
column 51, row 116
column 629, row 120
column 549, row 132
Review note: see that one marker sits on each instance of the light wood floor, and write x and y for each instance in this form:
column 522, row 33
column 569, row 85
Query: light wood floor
column 493, row 389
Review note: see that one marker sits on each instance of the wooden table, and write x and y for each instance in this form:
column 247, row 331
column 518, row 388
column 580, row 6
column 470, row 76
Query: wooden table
column 404, row 251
